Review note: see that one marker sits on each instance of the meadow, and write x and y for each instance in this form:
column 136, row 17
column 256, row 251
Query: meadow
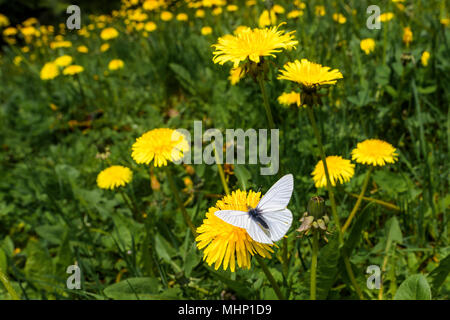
column 371, row 103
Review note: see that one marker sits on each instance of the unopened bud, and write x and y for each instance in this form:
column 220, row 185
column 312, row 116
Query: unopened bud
column 316, row 207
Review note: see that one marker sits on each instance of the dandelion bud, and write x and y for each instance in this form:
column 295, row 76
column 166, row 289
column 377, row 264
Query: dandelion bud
column 316, row 207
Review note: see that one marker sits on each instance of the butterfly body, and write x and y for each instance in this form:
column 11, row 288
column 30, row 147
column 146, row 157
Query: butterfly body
column 270, row 220
column 255, row 214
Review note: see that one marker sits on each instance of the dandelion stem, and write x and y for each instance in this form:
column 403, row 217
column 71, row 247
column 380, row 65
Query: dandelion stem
column 380, row 202
column 173, row 187
column 266, row 101
column 358, row 202
column 270, row 277
column 315, row 249
column 8, row 286
column 327, row 175
column 272, row 126
column 333, row 202
column 81, row 90
column 221, row 173
column 126, row 199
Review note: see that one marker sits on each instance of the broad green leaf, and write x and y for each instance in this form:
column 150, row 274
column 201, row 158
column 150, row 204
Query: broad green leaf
column 144, row 288
column 440, row 274
column 414, row 287
column 243, row 175
column 394, row 232
column 357, row 229
column 3, row 261
column 51, row 233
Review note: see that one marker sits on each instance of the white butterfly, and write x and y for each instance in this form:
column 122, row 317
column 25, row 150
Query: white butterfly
column 270, row 220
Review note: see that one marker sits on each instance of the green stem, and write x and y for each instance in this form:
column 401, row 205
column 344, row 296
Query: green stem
column 8, row 286
column 134, row 211
column 315, row 249
column 332, row 200
column 173, row 187
column 81, row 90
column 221, row 173
column 358, row 202
column 377, row 201
column 327, row 175
column 270, row 277
column 266, row 101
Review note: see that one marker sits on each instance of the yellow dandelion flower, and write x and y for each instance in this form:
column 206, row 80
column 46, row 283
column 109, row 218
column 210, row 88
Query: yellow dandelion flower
column 385, row 17
column 299, row 4
column 217, row 11
column 206, row 30
column 319, row 11
column 309, row 74
column 182, row 17
column 200, row 13
column 104, row 47
column 82, row 49
column 374, row 152
column 113, row 177
column 267, row 18
column 72, row 70
column 160, row 145
column 63, row 61
column 225, row 244
column 232, row 8
column 241, row 29
column 290, row 98
column 339, row 169
column 294, row 14
column 109, row 33
column 4, row 21
column 407, row 36
column 339, row 18
column 49, row 71
column 250, row 3
column 10, row 31
column 236, row 74
column 278, row 9
column 367, row 45
column 30, row 22
column 445, row 21
column 60, row 44
column 424, row 58
column 252, row 44
column 115, row 64
column 150, row 26
column 17, row 60
column 166, row 16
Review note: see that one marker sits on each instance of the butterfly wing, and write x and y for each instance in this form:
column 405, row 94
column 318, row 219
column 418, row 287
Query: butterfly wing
column 258, row 233
column 240, row 219
column 278, row 197
column 279, row 223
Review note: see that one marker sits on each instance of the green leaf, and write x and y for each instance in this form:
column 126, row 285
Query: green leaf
column 184, row 77
column 439, row 274
column 145, row 288
column 53, row 234
column 3, row 261
column 414, row 287
column 357, row 229
column 393, row 230
column 427, row 90
column 239, row 287
column 165, row 251
column 243, row 175
column 327, row 269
